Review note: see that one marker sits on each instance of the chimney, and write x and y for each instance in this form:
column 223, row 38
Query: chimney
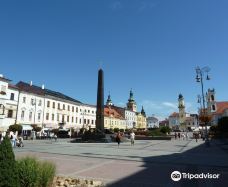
column 30, row 83
column 43, row 86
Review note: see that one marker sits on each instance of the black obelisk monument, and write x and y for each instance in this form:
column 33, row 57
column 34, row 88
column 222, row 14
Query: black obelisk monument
column 100, row 101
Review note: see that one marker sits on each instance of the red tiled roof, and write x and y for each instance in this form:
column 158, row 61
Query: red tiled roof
column 13, row 86
column 174, row 114
column 221, row 106
column 109, row 111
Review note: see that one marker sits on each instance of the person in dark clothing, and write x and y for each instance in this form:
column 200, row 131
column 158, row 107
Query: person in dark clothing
column 118, row 137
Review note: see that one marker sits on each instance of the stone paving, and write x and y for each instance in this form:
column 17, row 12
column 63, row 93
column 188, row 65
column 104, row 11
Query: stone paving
column 148, row 163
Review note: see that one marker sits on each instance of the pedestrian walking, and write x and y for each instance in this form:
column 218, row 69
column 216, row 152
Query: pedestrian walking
column 175, row 135
column 118, row 137
column 14, row 139
column 196, row 136
column 132, row 137
column 179, row 135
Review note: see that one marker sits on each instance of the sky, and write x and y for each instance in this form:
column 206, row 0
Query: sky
column 149, row 46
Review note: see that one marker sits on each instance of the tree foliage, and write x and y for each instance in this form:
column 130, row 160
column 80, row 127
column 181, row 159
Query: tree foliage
column 8, row 167
column 165, row 129
column 15, row 128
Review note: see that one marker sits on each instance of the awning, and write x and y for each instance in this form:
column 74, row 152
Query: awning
column 27, row 127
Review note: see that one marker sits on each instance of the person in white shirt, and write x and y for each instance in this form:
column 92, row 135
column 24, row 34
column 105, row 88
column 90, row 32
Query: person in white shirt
column 132, row 137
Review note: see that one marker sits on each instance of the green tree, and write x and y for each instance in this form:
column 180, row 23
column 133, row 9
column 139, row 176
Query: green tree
column 15, row 128
column 165, row 129
column 8, row 166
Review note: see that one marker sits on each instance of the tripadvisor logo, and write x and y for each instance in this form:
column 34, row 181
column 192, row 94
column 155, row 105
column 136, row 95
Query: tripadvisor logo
column 176, row 176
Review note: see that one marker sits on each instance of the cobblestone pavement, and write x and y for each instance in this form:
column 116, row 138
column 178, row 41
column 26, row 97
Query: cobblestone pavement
column 148, row 163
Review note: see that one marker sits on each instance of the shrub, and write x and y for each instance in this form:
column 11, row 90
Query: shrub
column 8, row 169
column 46, row 173
column 165, row 129
column 34, row 173
column 116, row 129
column 28, row 172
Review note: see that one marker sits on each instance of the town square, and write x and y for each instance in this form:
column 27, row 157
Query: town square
column 99, row 93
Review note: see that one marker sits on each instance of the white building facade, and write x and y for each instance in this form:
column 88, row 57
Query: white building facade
column 8, row 103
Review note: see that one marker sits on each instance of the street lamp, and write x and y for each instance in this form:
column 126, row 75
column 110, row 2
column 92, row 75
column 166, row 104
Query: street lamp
column 200, row 72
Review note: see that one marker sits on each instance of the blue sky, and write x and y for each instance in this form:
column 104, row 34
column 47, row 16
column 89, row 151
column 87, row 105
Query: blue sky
column 151, row 46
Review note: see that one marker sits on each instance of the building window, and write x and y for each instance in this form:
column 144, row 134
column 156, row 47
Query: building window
column 32, row 102
column 88, row 121
column 53, row 105
column 88, row 111
column 84, row 121
column 24, row 99
column 72, row 108
column 63, row 118
column 80, row 121
column 68, row 118
column 30, row 116
column 92, row 122
column 53, row 117
column 47, row 116
column 12, row 96
column 57, row 117
column 72, row 120
column 39, row 116
column 76, row 120
column 40, row 102
column 48, row 103
column 68, row 107
column 76, row 109
column 22, row 114
column 10, row 113
column 63, row 107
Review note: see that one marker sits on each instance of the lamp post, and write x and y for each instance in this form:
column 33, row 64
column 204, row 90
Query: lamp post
column 200, row 72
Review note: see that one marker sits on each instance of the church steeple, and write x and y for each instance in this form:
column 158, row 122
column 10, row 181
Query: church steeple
column 109, row 101
column 131, row 98
column 143, row 112
column 131, row 105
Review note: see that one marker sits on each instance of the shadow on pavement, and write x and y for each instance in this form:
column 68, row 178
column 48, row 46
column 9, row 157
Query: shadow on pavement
column 156, row 171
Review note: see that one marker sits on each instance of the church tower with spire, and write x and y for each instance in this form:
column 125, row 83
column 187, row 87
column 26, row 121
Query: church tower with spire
column 143, row 112
column 109, row 101
column 131, row 105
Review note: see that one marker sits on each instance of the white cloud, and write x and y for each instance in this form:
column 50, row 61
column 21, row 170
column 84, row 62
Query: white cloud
column 170, row 105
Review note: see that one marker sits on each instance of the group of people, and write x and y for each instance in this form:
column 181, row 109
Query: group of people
column 182, row 136
column 119, row 136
